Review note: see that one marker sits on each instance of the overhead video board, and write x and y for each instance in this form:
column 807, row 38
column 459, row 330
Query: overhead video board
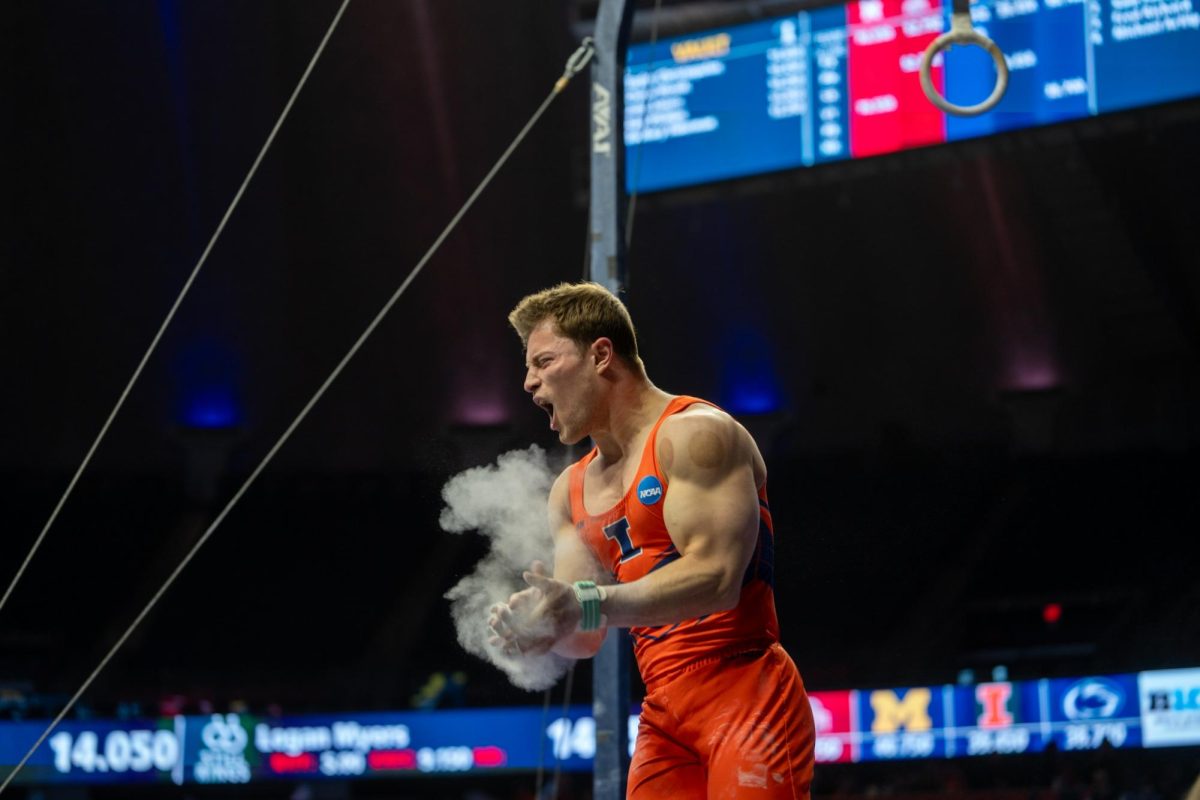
column 1150, row 709
column 842, row 82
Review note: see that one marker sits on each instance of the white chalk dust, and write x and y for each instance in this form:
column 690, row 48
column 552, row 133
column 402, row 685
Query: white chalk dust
column 505, row 502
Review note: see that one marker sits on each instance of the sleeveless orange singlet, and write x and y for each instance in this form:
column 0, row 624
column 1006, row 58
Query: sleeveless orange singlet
column 725, row 713
column 631, row 540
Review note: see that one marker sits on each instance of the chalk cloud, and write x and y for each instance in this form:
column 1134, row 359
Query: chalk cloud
column 506, row 502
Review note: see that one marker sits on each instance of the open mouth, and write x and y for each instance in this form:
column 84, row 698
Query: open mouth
column 548, row 407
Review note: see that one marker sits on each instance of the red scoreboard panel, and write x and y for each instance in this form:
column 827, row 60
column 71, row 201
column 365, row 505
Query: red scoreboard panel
column 834, row 716
column 888, row 110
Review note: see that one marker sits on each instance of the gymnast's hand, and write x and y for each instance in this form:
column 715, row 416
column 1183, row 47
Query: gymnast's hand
column 533, row 620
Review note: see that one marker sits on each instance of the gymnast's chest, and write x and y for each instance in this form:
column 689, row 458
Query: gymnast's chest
column 630, row 537
column 604, row 488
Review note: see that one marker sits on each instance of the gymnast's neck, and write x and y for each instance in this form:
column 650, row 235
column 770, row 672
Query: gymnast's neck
column 629, row 406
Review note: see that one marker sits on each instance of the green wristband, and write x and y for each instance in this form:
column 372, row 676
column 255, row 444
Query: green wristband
column 589, row 596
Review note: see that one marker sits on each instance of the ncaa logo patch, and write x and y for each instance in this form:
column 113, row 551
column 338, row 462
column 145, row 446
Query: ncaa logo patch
column 649, row 490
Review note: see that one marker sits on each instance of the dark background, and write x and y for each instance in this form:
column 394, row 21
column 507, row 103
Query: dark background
column 975, row 366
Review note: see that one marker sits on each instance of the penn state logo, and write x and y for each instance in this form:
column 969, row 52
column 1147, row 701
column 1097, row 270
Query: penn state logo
column 649, row 490
column 1093, row 698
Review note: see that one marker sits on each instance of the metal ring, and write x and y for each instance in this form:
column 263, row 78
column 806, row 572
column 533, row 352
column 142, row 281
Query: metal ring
column 962, row 32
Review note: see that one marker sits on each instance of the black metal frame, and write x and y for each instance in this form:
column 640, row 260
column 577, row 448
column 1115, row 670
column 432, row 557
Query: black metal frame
column 610, row 679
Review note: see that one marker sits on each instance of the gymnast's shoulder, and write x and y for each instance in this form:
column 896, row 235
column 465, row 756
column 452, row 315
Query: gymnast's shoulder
column 702, row 439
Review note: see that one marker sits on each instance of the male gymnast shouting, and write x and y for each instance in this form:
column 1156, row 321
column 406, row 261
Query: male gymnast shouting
column 663, row 528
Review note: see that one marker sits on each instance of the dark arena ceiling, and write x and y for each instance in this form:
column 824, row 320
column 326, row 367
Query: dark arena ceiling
column 982, row 357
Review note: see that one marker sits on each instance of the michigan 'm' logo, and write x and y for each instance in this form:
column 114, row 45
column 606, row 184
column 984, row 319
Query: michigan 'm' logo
column 892, row 713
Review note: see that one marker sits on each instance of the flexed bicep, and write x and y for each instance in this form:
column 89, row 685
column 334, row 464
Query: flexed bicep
column 711, row 509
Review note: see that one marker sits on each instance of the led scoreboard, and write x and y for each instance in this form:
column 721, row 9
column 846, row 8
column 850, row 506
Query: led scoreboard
column 240, row 748
column 1149, row 709
column 842, row 82
column 1001, row 718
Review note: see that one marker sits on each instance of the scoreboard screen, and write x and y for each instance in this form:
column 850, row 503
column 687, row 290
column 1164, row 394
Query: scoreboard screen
column 842, row 82
column 241, row 748
column 1149, row 709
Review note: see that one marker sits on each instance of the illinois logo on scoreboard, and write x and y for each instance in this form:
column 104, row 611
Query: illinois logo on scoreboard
column 995, row 705
column 996, row 718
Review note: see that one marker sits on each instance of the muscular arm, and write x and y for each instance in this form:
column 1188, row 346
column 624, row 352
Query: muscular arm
column 711, row 513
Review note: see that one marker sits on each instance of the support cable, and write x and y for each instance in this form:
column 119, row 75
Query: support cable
column 174, row 308
column 578, row 60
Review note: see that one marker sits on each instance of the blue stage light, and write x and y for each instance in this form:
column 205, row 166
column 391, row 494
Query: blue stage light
column 206, row 379
column 211, row 408
column 749, row 382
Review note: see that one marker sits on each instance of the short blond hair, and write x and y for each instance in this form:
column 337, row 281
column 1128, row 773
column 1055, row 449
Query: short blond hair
column 582, row 312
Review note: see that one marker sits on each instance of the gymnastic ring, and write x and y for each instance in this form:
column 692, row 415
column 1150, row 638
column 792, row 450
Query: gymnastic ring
column 962, row 32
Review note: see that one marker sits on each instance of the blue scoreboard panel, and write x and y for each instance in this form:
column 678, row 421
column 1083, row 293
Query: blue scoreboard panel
column 1149, row 709
column 842, row 82
column 240, row 748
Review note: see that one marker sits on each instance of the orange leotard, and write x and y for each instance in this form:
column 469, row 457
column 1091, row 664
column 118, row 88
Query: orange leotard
column 631, row 540
column 725, row 714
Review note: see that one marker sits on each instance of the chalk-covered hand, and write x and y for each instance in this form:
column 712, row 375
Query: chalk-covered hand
column 534, row 619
